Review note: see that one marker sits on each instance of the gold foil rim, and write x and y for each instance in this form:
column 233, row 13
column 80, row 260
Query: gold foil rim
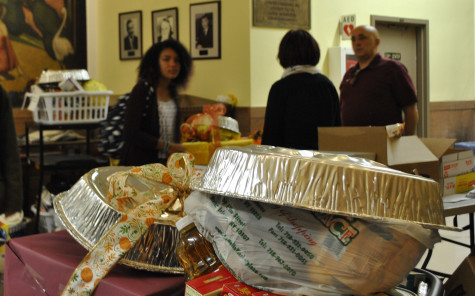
column 323, row 182
column 228, row 123
column 87, row 217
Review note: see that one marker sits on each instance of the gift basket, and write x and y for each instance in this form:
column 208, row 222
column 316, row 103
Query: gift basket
column 203, row 132
column 59, row 98
column 291, row 222
column 86, row 213
column 306, row 223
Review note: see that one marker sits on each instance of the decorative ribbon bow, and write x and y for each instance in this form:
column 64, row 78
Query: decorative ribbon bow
column 165, row 185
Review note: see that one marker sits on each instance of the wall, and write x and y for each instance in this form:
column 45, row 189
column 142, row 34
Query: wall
column 230, row 74
column 451, row 42
column 249, row 65
column 454, row 119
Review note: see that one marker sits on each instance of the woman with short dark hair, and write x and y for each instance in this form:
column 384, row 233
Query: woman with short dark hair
column 303, row 100
column 151, row 126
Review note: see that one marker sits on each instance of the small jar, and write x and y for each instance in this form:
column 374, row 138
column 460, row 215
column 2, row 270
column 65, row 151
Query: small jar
column 194, row 252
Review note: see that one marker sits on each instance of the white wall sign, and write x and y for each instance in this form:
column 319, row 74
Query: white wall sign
column 347, row 24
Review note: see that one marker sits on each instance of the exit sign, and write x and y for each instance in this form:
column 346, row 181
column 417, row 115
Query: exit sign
column 393, row 55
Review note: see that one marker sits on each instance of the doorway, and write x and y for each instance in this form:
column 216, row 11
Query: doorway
column 406, row 40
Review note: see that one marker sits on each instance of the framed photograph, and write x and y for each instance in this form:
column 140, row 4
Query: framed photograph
column 291, row 14
column 164, row 24
column 205, row 30
column 130, row 35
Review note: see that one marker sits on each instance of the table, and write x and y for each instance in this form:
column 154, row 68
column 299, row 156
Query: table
column 459, row 208
column 453, row 209
column 42, row 264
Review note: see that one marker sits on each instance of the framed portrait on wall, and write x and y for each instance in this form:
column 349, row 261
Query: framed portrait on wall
column 164, row 24
column 205, row 30
column 130, row 35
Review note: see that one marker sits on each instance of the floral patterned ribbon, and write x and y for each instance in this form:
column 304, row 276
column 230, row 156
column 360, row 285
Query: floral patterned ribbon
column 164, row 185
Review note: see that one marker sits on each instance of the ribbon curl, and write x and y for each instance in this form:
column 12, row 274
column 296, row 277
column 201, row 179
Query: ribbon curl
column 165, row 186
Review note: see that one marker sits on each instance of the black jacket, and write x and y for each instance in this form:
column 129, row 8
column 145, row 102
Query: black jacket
column 11, row 184
column 141, row 126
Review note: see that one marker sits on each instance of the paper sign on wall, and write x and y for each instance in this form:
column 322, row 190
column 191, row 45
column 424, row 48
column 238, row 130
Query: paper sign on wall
column 347, row 24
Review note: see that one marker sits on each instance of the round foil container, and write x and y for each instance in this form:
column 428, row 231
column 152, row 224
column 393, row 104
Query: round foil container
column 87, row 216
column 323, row 182
column 228, row 123
column 55, row 76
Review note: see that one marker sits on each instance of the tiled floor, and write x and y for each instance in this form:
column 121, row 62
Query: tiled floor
column 447, row 256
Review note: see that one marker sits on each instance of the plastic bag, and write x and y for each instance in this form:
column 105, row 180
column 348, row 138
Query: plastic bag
column 291, row 251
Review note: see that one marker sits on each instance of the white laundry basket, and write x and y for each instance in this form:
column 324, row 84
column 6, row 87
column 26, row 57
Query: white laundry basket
column 70, row 107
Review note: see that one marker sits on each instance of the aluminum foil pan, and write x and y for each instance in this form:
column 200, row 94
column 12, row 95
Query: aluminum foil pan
column 228, row 123
column 54, row 76
column 323, row 182
column 84, row 212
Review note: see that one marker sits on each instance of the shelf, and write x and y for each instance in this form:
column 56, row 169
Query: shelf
column 62, row 126
column 59, row 143
column 64, row 161
column 56, row 160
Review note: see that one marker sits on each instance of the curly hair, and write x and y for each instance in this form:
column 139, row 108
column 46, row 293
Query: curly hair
column 298, row 47
column 149, row 70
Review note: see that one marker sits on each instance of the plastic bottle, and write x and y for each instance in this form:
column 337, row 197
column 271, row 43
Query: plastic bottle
column 194, row 252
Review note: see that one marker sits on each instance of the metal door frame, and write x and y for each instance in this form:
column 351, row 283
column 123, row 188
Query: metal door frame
column 422, row 67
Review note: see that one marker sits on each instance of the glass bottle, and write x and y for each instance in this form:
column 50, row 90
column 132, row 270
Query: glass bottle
column 194, row 252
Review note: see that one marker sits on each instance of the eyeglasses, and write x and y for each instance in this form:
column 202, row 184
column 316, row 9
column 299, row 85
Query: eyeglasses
column 355, row 77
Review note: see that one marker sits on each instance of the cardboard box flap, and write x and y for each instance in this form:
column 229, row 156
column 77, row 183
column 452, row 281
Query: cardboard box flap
column 355, row 139
column 408, row 149
column 438, row 146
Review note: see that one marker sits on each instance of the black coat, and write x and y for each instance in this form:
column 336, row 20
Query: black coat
column 141, row 126
column 11, row 180
column 297, row 105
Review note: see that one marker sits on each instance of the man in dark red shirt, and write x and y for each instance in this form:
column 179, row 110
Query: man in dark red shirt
column 376, row 91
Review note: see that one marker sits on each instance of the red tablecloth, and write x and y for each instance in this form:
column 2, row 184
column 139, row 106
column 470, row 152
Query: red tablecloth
column 42, row 264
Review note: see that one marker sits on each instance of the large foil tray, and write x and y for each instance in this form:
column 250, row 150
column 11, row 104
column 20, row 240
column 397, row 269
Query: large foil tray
column 52, row 76
column 323, row 182
column 87, row 216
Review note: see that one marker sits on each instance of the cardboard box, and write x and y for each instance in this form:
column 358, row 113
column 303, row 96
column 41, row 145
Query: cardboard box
column 456, row 162
column 210, row 284
column 462, row 281
column 202, row 151
column 457, row 167
column 238, row 289
column 456, row 154
column 457, row 184
column 408, row 153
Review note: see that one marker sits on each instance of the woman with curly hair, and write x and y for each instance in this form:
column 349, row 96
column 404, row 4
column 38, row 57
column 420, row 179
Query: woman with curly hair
column 151, row 125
